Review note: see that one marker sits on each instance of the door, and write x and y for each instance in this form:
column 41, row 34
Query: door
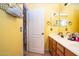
column 36, row 31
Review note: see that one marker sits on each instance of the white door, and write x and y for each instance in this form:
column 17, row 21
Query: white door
column 35, row 31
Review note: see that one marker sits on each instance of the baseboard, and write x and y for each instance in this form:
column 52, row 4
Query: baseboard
column 46, row 50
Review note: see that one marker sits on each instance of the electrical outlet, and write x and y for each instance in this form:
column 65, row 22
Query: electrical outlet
column 51, row 29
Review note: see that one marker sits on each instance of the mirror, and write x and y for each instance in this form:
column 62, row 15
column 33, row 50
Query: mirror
column 63, row 22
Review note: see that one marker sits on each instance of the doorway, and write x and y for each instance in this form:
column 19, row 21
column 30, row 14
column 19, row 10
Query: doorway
column 24, row 28
column 35, row 31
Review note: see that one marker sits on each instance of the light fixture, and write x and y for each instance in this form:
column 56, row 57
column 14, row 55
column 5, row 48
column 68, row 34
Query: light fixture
column 14, row 11
column 65, row 4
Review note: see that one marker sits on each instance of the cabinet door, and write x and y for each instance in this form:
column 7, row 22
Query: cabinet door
column 50, row 46
column 60, row 53
column 68, row 53
column 54, row 47
column 54, row 42
column 54, row 53
column 60, row 47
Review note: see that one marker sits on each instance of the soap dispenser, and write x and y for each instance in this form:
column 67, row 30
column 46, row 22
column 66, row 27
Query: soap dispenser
column 77, row 37
column 73, row 37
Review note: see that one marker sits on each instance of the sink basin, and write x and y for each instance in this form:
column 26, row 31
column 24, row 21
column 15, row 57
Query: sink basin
column 75, row 45
column 61, row 35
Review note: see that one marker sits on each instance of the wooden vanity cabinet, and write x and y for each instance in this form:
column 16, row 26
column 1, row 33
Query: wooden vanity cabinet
column 57, row 49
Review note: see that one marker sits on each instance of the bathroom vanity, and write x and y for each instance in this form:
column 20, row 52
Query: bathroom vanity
column 59, row 46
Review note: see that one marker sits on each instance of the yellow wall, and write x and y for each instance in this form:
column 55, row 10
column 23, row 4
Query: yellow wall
column 48, row 9
column 11, row 39
column 73, row 16
column 57, row 8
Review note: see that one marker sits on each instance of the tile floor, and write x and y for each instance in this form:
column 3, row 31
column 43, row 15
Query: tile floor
column 36, row 54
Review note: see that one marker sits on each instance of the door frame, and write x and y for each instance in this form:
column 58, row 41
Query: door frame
column 27, row 26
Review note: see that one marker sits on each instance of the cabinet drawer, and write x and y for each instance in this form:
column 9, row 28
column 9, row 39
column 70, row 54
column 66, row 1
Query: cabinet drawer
column 68, row 53
column 54, row 47
column 51, row 52
column 59, row 53
column 60, row 47
column 50, row 42
column 54, row 53
column 54, row 42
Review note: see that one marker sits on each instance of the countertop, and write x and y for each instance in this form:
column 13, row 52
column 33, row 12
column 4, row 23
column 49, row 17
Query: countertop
column 73, row 46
